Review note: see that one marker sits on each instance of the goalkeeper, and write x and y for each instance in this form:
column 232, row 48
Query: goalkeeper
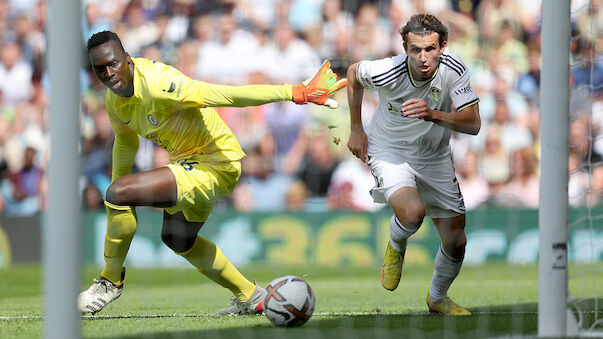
column 159, row 103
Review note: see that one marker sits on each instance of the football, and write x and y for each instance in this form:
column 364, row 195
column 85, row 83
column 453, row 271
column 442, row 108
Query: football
column 289, row 302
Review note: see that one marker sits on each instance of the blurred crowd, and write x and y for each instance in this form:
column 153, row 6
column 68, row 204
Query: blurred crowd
column 297, row 158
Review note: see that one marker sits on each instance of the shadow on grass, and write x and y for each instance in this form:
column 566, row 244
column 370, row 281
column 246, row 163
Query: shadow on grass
column 506, row 320
column 519, row 320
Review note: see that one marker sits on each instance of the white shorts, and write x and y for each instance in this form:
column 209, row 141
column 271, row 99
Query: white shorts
column 436, row 183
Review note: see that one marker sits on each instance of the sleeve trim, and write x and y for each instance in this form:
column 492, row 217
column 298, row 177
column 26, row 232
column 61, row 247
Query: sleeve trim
column 470, row 103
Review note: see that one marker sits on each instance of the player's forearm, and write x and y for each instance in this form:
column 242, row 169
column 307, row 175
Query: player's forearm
column 124, row 152
column 465, row 121
column 355, row 94
column 241, row 96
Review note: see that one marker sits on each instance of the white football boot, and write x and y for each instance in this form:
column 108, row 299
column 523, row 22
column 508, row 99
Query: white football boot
column 100, row 294
column 254, row 305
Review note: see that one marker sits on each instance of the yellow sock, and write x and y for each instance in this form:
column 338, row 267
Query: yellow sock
column 121, row 226
column 209, row 260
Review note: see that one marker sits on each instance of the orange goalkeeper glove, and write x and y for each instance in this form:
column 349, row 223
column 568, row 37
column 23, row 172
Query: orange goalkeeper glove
column 319, row 87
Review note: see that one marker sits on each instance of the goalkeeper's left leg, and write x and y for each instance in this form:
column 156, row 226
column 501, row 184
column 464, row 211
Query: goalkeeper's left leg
column 181, row 236
column 121, row 227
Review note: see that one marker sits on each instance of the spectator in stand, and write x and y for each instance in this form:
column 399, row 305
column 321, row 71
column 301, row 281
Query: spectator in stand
column 579, row 193
column 513, row 135
column 511, row 53
column 410, row 7
column 112, row 10
column 21, row 7
column 342, row 58
column 494, row 161
column 296, row 59
column 93, row 199
column 137, row 31
column 96, row 150
column 259, row 14
column 4, row 21
column 528, row 84
column 202, row 29
column 318, row 165
column 266, row 187
column 15, row 74
column 303, row 13
column 296, row 197
column 371, row 37
column 179, row 20
column 31, row 41
column 226, row 59
column 29, row 185
column 463, row 38
column 335, row 21
column 490, row 15
column 474, row 186
column 523, row 189
column 587, row 71
column 94, row 20
column 164, row 44
column 580, row 140
column 186, row 57
column 287, row 125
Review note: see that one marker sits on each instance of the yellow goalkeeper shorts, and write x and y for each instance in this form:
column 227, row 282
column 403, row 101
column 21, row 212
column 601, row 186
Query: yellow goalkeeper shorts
column 200, row 184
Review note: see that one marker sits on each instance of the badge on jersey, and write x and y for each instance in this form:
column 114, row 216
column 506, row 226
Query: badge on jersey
column 435, row 93
column 152, row 120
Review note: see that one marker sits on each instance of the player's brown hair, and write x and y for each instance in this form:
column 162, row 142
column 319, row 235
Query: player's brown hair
column 424, row 24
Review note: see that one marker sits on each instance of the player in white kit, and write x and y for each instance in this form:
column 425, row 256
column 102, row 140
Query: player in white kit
column 407, row 147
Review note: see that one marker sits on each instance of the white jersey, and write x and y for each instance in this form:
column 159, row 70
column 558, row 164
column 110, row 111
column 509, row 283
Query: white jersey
column 415, row 140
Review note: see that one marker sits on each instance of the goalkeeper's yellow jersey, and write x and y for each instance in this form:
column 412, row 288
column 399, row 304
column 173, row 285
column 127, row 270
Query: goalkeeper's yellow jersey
column 174, row 111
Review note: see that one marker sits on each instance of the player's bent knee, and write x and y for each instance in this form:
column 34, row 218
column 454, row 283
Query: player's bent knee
column 412, row 220
column 178, row 244
column 456, row 248
column 117, row 194
column 410, row 216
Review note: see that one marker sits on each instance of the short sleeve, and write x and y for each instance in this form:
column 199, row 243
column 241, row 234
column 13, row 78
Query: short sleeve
column 363, row 74
column 461, row 92
column 381, row 73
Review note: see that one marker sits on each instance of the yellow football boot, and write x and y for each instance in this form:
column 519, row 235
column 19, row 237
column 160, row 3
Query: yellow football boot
column 446, row 307
column 391, row 269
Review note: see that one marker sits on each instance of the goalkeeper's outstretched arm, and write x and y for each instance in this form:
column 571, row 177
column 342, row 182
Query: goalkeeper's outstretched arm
column 315, row 90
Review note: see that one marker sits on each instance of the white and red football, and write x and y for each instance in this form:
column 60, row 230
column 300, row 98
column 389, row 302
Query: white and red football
column 289, row 302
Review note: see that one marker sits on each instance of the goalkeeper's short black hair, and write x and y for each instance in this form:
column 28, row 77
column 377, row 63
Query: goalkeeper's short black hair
column 425, row 24
column 100, row 38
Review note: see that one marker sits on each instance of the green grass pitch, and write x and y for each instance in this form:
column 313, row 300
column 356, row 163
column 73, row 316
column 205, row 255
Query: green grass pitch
column 350, row 303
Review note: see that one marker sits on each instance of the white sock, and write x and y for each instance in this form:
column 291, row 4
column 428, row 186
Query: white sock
column 445, row 271
column 398, row 234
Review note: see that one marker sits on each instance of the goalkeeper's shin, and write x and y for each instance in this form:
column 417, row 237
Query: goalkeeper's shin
column 121, row 226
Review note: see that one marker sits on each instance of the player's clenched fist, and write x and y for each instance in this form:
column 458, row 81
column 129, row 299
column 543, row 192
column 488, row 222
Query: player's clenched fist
column 416, row 108
column 319, row 87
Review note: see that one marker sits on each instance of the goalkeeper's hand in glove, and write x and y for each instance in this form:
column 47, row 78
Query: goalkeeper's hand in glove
column 319, row 87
